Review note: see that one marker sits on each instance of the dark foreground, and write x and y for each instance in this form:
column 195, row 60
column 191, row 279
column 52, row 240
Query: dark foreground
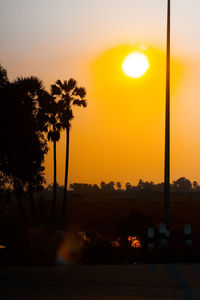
column 170, row 281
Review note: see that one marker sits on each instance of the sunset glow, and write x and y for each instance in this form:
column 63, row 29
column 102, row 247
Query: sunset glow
column 122, row 129
column 135, row 65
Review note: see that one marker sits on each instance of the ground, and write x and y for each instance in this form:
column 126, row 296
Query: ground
column 116, row 282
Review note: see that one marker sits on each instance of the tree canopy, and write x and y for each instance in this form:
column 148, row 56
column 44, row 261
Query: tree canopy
column 23, row 145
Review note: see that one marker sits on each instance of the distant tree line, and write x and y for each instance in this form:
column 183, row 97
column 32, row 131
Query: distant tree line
column 182, row 185
column 29, row 117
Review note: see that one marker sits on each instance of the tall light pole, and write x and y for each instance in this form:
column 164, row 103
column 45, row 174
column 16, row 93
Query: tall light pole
column 167, row 127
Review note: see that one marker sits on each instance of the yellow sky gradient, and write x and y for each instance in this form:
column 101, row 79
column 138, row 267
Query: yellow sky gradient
column 120, row 135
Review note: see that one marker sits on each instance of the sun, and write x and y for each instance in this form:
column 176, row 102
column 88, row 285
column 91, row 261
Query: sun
column 135, row 64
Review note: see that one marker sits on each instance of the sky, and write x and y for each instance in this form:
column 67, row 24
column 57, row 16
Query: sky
column 120, row 135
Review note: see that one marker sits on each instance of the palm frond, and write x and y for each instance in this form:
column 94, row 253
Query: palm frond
column 56, row 135
column 77, row 102
column 71, row 84
column 44, row 99
column 55, row 90
column 66, row 117
column 59, row 83
column 81, row 92
column 53, row 135
column 50, row 135
column 64, row 85
column 80, row 102
column 84, row 103
column 30, row 84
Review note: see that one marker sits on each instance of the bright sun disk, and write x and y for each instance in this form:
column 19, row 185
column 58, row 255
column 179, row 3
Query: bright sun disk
column 135, row 64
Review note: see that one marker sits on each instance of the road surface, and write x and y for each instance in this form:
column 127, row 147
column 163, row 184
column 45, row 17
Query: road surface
column 110, row 282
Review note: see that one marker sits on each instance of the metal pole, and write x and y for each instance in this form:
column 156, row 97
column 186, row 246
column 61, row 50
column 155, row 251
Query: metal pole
column 167, row 128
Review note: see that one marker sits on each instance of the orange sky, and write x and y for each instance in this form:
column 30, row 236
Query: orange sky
column 120, row 135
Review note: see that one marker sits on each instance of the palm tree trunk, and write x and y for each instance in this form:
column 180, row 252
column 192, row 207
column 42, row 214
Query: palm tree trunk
column 53, row 211
column 20, row 206
column 22, row 211
column 32, row 206
column 66, row 176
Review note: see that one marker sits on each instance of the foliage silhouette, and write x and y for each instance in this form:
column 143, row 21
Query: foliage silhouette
column 119, row 186
column 3, row 78
column 183, row 185
column 68, row 94
column 143, row 190
column 24, row 145
column 54, row 109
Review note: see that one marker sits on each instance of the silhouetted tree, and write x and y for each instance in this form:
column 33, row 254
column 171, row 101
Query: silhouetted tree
column 96, row 188
column 54, row 109
column 159, row 187
column 24, row 146
column 145, row 185
column 49, row 114
column 84, row 188
column 128, row 187
column 195, row 186
column 182, row 185
column 3, row 78
column 4, row 83
column 69, row 94
column 110, row 186
column 119, row 186
column 103, row 186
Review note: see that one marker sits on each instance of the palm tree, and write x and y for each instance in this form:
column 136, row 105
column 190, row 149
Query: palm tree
column 69, row 94
column 27, row 142
column 54, row 136
column 167, row 128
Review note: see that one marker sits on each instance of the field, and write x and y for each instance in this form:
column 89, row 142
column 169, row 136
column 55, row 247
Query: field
column 82, row 212
column 104, row 221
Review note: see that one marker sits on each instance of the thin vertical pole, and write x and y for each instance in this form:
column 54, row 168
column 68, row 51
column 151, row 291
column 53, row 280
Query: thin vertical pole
column 167, row 128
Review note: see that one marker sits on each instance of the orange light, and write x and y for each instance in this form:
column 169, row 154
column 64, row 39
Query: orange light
column 134, row 242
